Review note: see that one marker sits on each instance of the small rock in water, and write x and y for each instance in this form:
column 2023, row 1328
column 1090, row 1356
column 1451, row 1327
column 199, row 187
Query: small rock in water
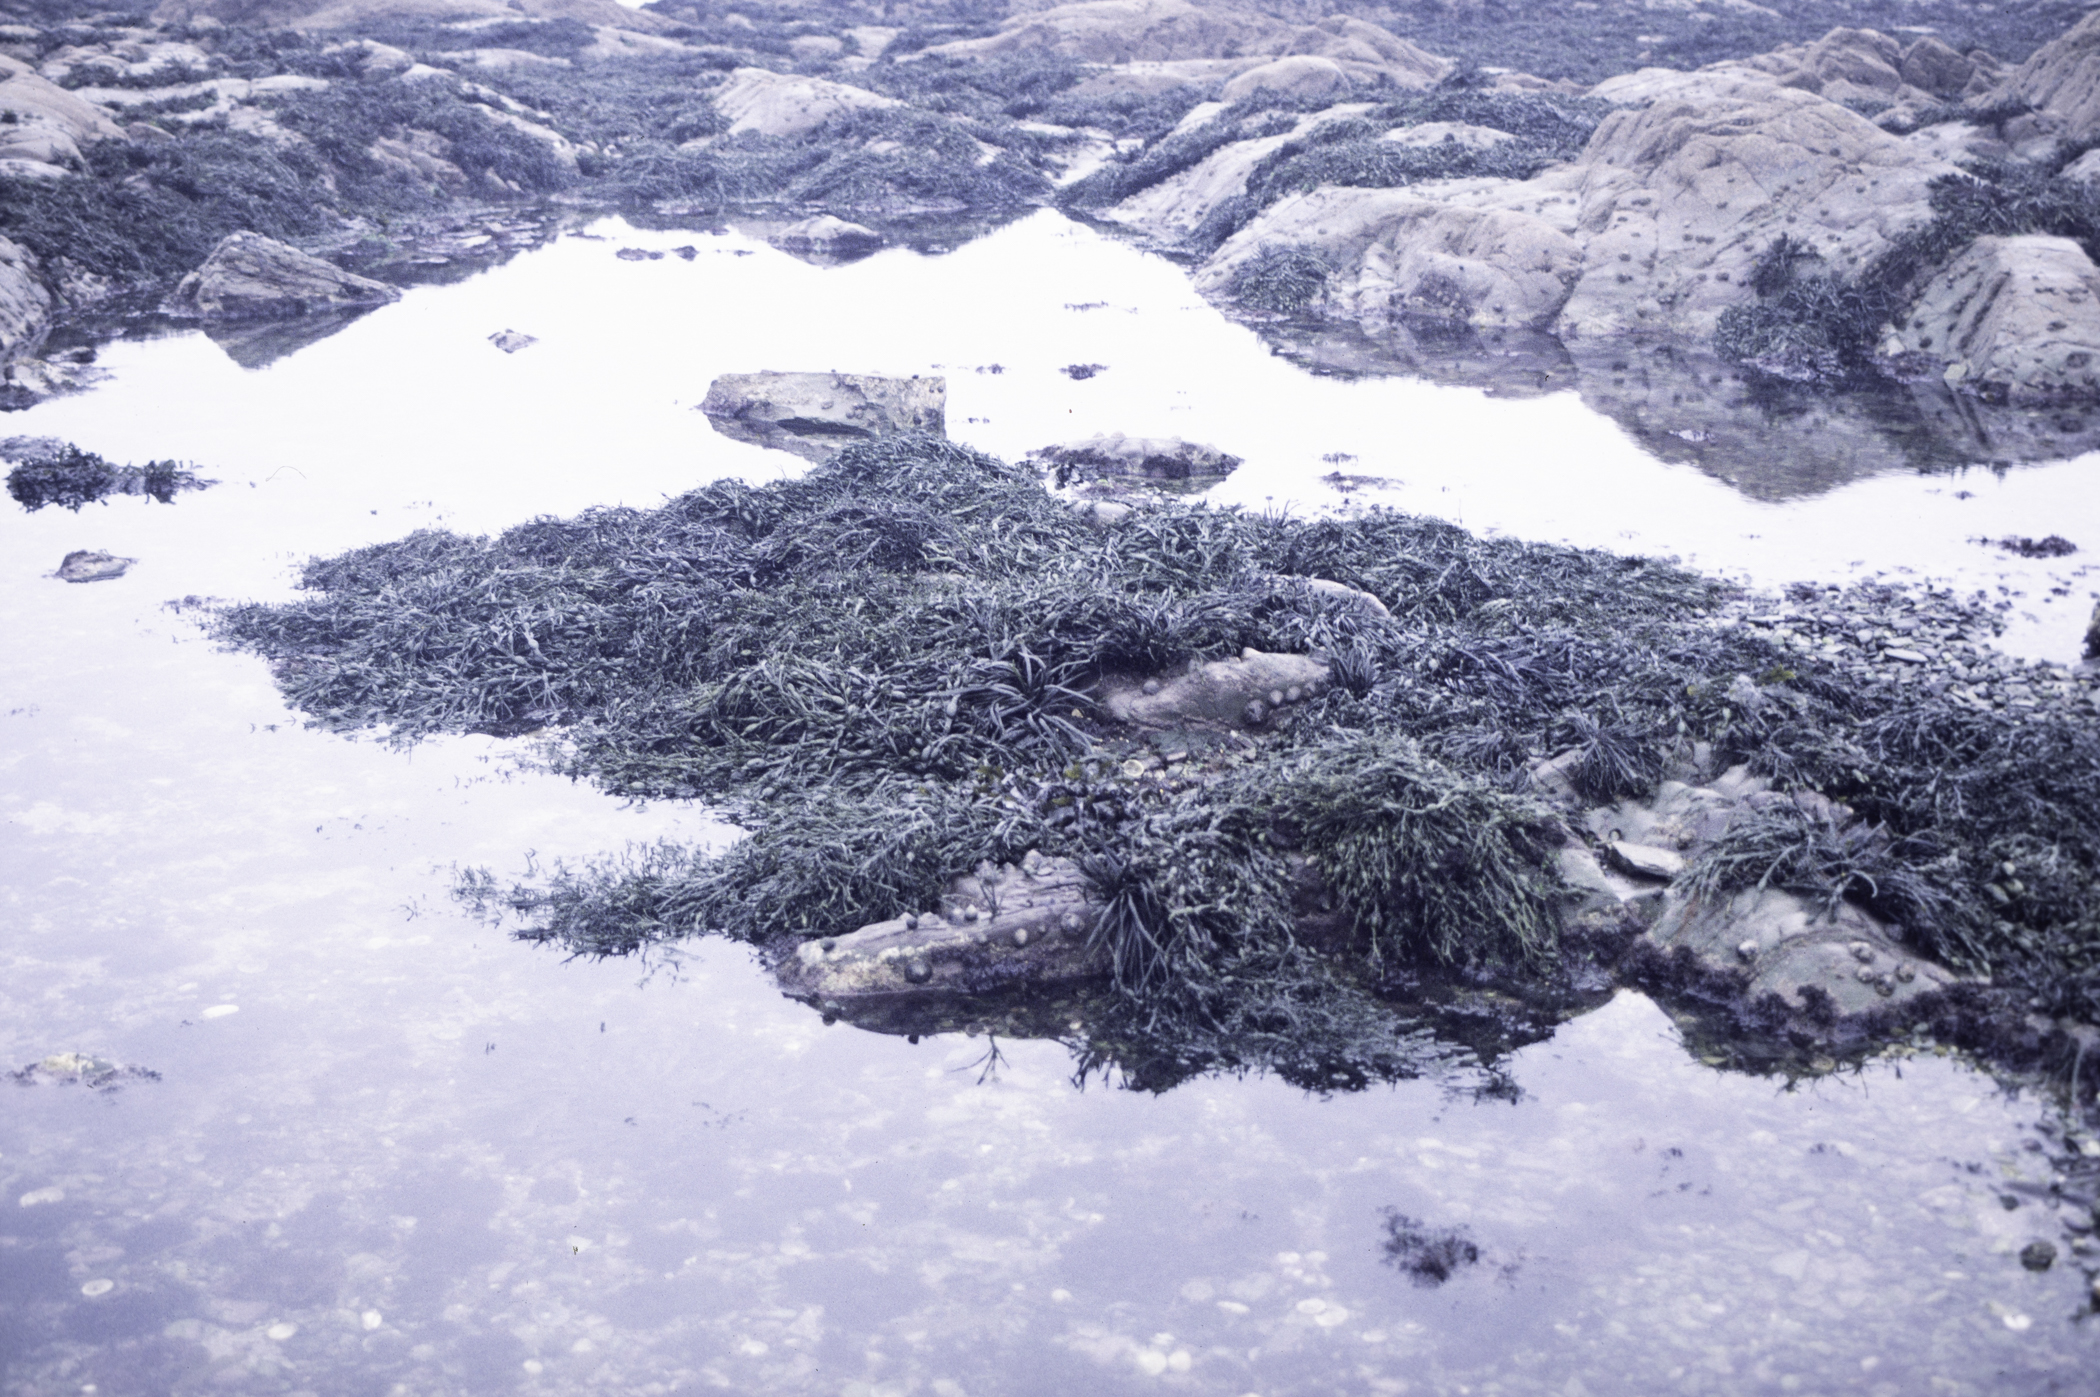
column 2038, row 1256
column 86, row 565
column 511, row 341
column 1077, row 372
column 638, row 254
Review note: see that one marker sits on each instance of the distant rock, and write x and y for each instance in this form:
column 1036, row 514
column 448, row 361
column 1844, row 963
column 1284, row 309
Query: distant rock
column 86, row 565
column 827, row 236
column 2061, row 80
column 2015, row 318
column 787, row 104
column 511, row 341
column 249, row 276
column 1297, row 76
column 818, row 415
column 43, row 127
column 1223, row 41
column 1117, row 458
column 1394, row 253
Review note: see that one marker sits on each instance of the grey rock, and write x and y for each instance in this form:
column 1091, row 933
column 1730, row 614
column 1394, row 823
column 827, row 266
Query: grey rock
column 86, row 565
column 1643, row 860
column 251, row 276
column 1213, row 694
column 2061, row 79
column 1030, row 928
column 828, row 237
column 818, row 415
column 2019, row 317
column 511, row 341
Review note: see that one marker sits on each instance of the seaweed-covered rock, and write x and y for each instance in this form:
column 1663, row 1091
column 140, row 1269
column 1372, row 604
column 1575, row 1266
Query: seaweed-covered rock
column 1026, row 925
column 2014, row 317
column 1684, row 193
column 1393, row 253
column 25, row 303
column 251, row 276
column 787, row 104
column 817, row 415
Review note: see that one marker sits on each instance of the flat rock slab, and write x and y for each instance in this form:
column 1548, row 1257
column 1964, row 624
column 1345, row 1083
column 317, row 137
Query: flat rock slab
column 818, row 415
column 1240, row 693
column 1001, row 927
column 251, row 276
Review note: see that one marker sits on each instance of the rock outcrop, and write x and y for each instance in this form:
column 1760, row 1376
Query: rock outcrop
column 2017, row 318
column 818, row 415
column 25, row 303
column 1778, row 941
column 1207, row 44
column 2061, row 81
column 786, row 104
column 43, row 126
column 249, row 276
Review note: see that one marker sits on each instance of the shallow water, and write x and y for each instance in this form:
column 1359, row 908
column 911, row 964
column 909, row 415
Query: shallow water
column 390, row 1151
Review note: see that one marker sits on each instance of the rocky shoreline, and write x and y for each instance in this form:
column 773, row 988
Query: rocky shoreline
column 1715, row 254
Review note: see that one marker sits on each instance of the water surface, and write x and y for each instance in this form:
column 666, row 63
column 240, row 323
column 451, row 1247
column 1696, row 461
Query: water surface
column 388, row 1150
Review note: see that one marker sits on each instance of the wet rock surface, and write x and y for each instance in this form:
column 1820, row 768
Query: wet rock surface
column 89, row 565
column 817, row 415
column 1115, row 459
column 1027, row 926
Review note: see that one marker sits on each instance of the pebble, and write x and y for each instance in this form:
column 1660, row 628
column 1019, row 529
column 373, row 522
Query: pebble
column 2038, row 1256
column 918, row 972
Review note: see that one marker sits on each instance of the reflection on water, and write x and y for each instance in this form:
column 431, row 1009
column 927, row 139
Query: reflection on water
column 387, row 1150
column 1683, row 403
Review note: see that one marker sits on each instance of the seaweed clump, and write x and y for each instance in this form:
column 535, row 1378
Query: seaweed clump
column 887, row 671
column 49, row 473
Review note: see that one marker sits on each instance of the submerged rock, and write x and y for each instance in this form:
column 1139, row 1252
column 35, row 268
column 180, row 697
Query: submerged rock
column 86, row 565
column 251, row 276
column 818, row 415
column 1121, row 459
